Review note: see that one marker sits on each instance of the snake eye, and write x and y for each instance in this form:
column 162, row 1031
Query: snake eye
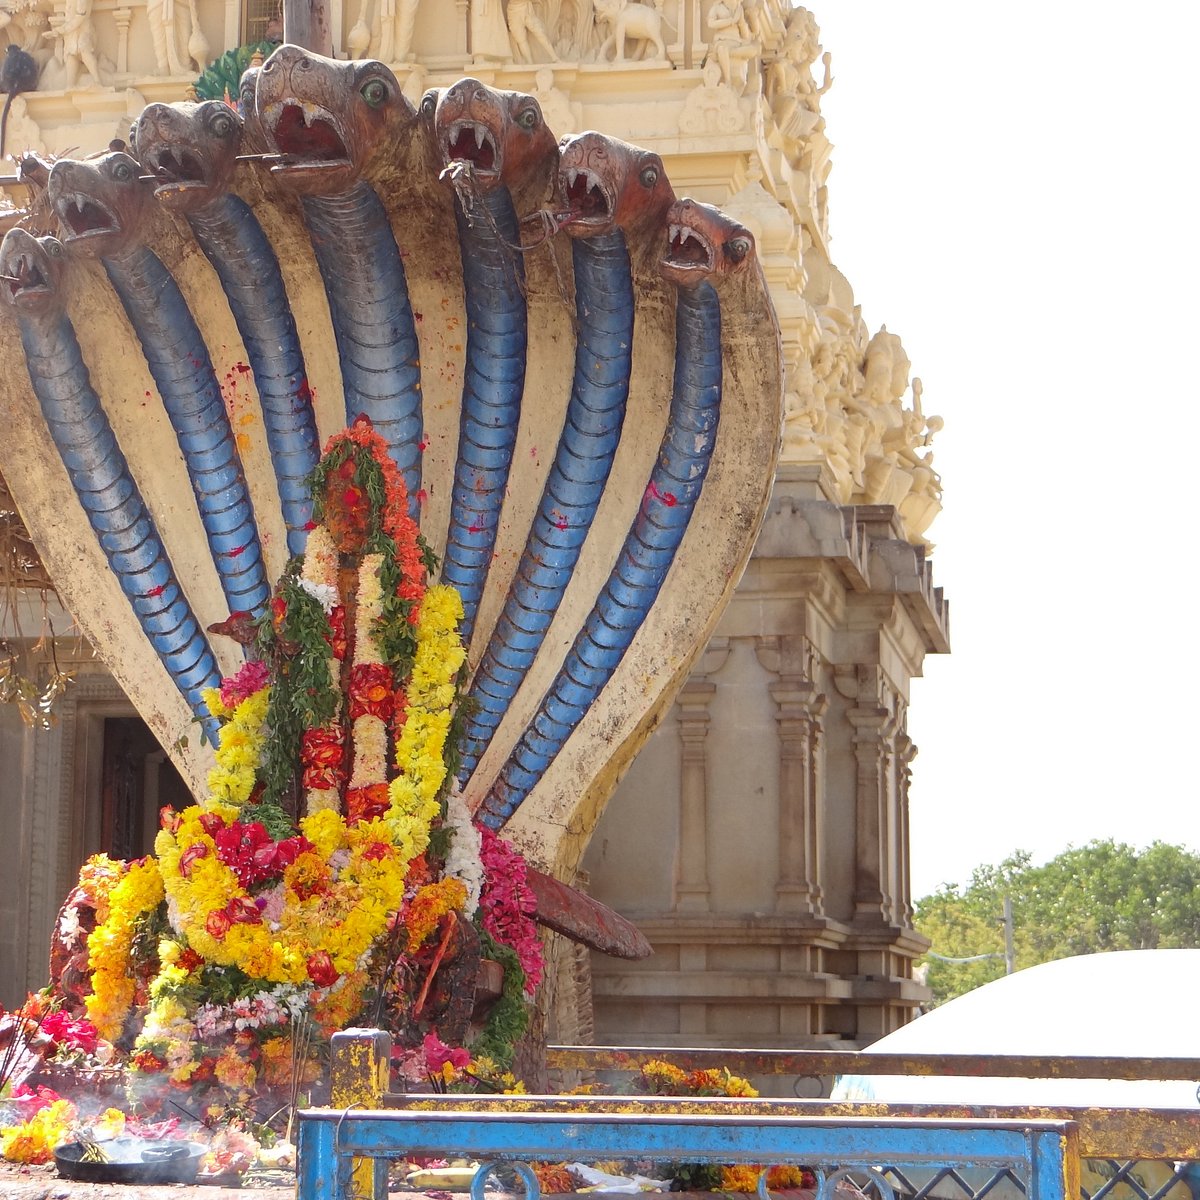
column 374, row 92
column 528, row 118
column 122, row 172
column 738, row 248
column 221, row 124
column 649, row 176
column 428, row 104
column 53, row 247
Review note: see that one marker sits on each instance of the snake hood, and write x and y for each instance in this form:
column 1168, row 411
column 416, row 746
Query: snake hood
column 32, row 270
column 704, row 245
column 99, row 203
column 499, row 137
column 605, row 183
column 328, row 119
column 190, row 148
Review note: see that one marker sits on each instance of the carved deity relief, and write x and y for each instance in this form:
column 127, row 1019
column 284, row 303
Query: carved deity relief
column 844, row 405
column 713, row 106
column 74, row 36
column 558, row 111
column 632, row 30
column 489, row 32
column 530, row 41
column 732, row 44
column 789, row 86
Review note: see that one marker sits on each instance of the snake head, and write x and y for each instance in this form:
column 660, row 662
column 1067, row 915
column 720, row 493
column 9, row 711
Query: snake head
column 500, row 138
column 100, row 203
column 326, row 118
column 190, row 148
column 703, row 245
column 31, row 270
column 605, row 183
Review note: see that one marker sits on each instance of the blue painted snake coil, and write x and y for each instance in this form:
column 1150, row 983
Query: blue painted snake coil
column 182, row 369
column 109, row 495
column 494, row 380
column 373, row 320
column 642, row 564
column 591, row 433
column 234, row 242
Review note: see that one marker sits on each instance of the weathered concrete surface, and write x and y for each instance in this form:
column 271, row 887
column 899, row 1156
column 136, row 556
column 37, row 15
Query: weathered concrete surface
column 43, row 1183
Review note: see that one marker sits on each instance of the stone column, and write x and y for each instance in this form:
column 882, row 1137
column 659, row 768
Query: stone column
column 122, row 18
column 906, row 751
column 799, row 709
column 871, row 720
column 692, row 888
column 461, row 27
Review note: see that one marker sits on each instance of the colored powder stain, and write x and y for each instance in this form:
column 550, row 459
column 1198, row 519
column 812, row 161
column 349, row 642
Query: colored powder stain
column 668, row 498
column 237, row 550
column 246, row 419
column 242, row 368
column 157, row 591
column 243, row 441
column 474, row 528
column 418, row 316
column 423, row 444
column 422, row 496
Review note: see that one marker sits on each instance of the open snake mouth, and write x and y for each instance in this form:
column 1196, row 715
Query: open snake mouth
column 177, row 167
column 587, row 196
column 306, row 134
column 84, row 216
column 471, row 142
column 24, row 277
column 689, row 250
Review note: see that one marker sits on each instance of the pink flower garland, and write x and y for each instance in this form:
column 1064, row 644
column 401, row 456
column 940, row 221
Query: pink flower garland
column 507, row 904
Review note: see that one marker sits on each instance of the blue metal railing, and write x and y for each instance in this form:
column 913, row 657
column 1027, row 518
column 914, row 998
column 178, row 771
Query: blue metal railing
column 1040, row 1157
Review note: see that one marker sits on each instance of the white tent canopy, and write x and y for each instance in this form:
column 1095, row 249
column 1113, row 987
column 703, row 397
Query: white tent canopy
column 1136, row 1003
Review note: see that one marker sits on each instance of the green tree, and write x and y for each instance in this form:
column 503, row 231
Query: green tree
column 1102, row 896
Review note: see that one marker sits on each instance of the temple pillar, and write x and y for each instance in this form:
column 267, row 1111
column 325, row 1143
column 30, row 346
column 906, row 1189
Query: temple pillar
column 799, row 711
column 692, row 888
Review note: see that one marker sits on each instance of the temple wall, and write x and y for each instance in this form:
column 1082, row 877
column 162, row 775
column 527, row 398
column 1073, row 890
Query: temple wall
column 760, row 840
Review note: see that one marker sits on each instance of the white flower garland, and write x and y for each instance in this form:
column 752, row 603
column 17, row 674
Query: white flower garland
column 319, row 578
column 463, row 860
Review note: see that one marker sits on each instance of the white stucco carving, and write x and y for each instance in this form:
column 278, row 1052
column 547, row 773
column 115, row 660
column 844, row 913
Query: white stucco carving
column 736, row 84
column 629, row 23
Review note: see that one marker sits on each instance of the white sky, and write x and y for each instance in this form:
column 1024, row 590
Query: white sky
column 1014, row 193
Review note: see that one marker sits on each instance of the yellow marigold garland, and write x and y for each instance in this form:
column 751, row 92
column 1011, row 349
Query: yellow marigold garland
column 421, row 746
column 335, row 911
column 137, row 892
column 240, row 746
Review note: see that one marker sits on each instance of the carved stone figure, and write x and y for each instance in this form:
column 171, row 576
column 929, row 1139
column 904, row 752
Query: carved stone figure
column 630, row 21
column 197, row 44
column 523, row 24
column 397, row 19
column 358, row 40
column 24, row 28
column 164, row 34
column 489, row 33
column 731, row 43
column 791, row 91
column 77, row 35
column 559, row 113
column 712, row 107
